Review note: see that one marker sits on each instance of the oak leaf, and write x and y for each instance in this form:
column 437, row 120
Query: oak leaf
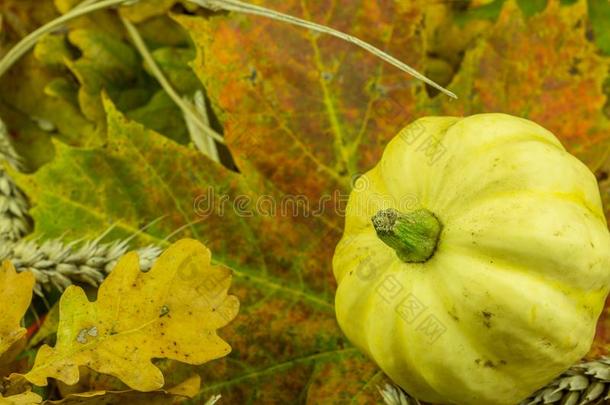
column 146, row 9
column 172, row 312
column 25, row 398
column 172, row 395
column 15, row 296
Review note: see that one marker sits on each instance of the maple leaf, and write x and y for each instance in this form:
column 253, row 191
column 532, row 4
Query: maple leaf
column 285, row 94
column 286, row 331
column 15, row 296
column 171, row 311
column 542, row 68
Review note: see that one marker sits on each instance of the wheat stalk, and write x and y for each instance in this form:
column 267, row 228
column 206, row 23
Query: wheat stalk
column 14, row 219
column 56, row 264
column 394, row 395
column 7, row 152
column 585, row 383
column 14, row 206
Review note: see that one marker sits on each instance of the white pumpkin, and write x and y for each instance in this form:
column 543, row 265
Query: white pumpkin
column 475, row 260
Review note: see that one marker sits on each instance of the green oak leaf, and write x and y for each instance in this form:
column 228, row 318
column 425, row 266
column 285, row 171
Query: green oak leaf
column 32, row 115
column 107, row 63
column 162, row 115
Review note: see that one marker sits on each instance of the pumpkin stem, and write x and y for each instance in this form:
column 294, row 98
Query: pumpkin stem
column 412, row 235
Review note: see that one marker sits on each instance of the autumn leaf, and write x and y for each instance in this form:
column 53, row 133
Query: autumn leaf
column 286, row 331
column 27, row 111
column 172, row 311
column 310, row 112
column 599, row 12
column 542, row 68
column 26, row 398
column 56, row 91
column 48, row 327
column 161, row 114
column 173, row 395
column 107, row 63
column 119, row 397
column 146, row 9
column 15, row 296
column 23, row 18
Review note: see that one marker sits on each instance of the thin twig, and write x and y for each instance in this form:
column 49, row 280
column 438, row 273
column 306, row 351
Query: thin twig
column 165, row 84
column 234, row 5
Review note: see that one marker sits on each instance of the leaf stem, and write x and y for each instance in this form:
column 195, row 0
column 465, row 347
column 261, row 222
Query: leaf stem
column 187, row 109
column 235, row 5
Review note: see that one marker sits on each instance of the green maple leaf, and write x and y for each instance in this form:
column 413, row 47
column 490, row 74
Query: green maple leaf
column 286, row 332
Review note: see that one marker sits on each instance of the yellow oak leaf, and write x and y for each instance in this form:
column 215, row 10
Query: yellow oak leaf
column 118, row 398
column 25, row 398
column 172, row 311
column 15, row 296
column 174, row 395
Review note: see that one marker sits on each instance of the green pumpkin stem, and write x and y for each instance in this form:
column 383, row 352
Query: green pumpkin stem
column 412, row 235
